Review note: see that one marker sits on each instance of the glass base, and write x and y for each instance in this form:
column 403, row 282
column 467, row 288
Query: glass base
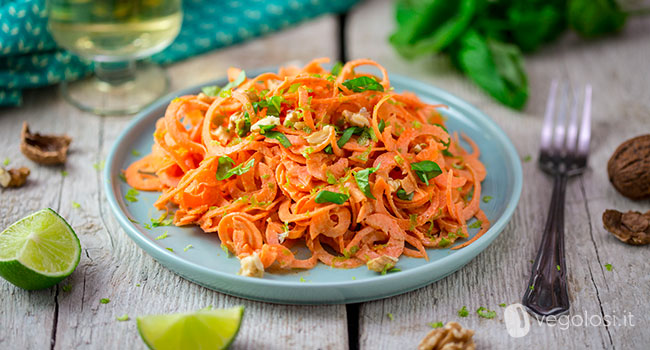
column 118, row 91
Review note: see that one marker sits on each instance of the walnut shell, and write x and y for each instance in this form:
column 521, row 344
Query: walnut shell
column 629, row 168
column 631, row 227
column 44, row 149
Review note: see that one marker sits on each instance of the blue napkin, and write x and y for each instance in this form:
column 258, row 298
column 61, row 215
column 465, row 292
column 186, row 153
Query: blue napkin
column 29, row 57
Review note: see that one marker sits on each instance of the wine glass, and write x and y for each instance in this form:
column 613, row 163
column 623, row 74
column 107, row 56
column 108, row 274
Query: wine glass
column 114, row 34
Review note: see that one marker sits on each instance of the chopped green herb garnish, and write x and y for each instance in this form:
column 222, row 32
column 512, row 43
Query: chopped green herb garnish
column 401, row 194
column 487, row 199
column 558, row 267
column 336, row 69
column 187, row 247
column 121, row 176
column 302, row 279
column 131, row 195
column 6, row 161
column 527, row 158
column 485, row 313
column 426, row 170
column 163, row 236
column 608, row 267
column 225, row 169
column 381, row 126
column 331, row 197
column 361, row 178
column 76, row 205
column 135, row 153
column 123, row 318
column 104, row 300
column 444, row 242
column 272, row 104
column 463, row 312
column 347, row 134
column 435, row 325
column 64, row 173
column 170, row 249
column 390, row 316
column 225, row 249
column 531, row 287
column 163, row 220
column 502, row 304
column 137, row 284
column 476, row 224
column 67, row 288
column 362, row 84
column 99, row 166
column 349, row 253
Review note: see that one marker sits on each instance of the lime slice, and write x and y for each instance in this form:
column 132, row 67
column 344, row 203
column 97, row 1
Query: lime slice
column 203, row 329
column 38, row 251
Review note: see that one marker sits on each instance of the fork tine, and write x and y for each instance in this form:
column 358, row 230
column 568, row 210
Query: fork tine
column 547, row 127
column 585, row 126
column 572, row 130
column 560, row 128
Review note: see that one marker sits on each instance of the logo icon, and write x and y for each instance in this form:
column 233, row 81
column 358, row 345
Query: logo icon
column 517, row 320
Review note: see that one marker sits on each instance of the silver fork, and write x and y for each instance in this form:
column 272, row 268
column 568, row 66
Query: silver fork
column 563, row 153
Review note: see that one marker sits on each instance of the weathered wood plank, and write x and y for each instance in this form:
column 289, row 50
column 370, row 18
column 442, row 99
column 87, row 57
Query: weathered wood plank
column 499, row 275
column 112, row 266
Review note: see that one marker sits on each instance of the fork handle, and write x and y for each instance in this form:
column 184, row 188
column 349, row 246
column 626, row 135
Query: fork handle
column 546, row 293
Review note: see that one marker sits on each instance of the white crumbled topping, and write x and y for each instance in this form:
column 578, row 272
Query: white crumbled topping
column 419, row 147
column 237, row 119
column 291, row 118
column 360, row 119
column 394, row 184
column 251, row 266
column 268, row 120
column 382, row 263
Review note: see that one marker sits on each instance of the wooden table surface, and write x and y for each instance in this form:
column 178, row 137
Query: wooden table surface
column 113, row 267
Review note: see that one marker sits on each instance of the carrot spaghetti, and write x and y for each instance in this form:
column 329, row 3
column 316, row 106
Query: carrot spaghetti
column 335, row 160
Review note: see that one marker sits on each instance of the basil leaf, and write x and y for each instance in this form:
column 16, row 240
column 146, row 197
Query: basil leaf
column 401, row 194
column 591, row 18
column 331, row 197
column 265, row 128
column 294, row 87
column 362, row 84
column 362, row 180
column 284, row 141
column 328, row 149
column 347, row 134
column 225, row 169
column 426, row 170
column 381, row 126
column 495, row 66
column 212, row 90
column 225, row 164
column 336, row 70
column 226, row 90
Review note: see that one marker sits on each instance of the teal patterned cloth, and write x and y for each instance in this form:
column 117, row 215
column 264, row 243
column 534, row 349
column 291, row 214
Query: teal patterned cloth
column 29, row 56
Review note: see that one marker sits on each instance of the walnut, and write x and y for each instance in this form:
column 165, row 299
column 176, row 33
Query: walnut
column 360, row 119
column 251, row 266
column 268, row 120
column 13, row 177
column 382, row 263
column 631, row 227
column 629, row 168
column 450, row 337
column 44, row 149
column 320, row 136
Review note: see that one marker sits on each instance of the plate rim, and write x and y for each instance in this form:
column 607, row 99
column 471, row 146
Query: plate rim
column 167, row 258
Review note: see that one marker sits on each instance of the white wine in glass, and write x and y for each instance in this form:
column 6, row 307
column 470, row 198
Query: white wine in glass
column 114, row 34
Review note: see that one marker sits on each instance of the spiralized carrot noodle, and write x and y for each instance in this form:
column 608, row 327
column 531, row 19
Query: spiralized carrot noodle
column 335, row 160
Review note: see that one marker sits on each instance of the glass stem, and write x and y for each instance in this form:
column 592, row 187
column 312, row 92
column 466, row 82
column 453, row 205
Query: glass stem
column 115, row 73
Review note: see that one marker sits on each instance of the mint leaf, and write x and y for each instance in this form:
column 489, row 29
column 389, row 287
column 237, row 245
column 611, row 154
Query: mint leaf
column 362, row 180
column 225, row 169
column 284, row 141
column 331, row 197
column 211, row 90
column 401, row 194
column 426, row 170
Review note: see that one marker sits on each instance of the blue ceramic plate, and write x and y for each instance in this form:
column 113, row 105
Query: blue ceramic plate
column 207, row 264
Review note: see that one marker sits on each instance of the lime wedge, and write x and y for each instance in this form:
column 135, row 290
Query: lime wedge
column 38, row 251
column 204, row 329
